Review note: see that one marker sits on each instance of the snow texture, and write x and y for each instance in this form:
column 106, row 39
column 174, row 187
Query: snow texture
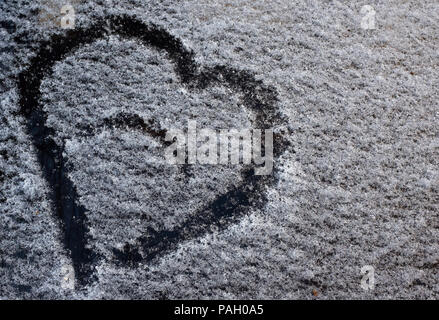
column 356, row 182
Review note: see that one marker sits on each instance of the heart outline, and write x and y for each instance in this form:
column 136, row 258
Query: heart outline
column 220, row 213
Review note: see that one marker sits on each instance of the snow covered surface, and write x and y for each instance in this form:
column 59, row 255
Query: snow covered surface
column 357, row 182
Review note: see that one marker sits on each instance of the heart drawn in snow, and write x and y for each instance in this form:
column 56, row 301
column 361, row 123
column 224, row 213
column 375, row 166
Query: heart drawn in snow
column 69, row 199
